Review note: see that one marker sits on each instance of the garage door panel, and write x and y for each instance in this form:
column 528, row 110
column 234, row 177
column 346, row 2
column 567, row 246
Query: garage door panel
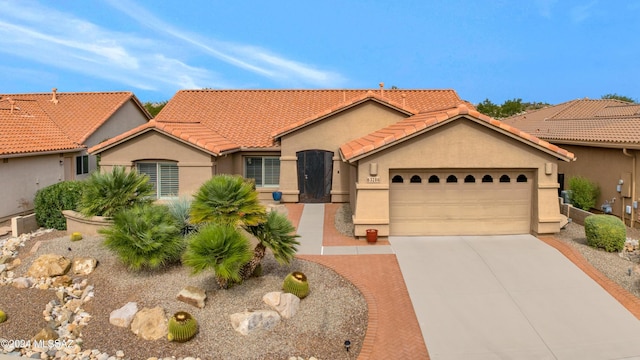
column 461, row 208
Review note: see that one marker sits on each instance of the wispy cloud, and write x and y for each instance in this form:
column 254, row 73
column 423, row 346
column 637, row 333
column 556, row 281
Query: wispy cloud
column 581, row 13
column 42, row 34
column 247, row 57
column 545, row 7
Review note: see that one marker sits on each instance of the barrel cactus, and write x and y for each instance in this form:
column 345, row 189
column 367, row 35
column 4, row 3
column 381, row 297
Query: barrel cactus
column 76, row 236
column 296, row 284
column 3, row 316
column 182, row 327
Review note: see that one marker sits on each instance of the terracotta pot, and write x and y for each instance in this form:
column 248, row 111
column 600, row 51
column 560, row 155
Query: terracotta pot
column 372, row 235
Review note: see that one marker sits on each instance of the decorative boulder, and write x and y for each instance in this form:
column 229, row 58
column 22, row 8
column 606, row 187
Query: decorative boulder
column 49, row 265
column 122, row 317
column 84, row 265
column 249, row 321
column 150, row 324
column 284, row 303
column 22, row 283
column 192, row 296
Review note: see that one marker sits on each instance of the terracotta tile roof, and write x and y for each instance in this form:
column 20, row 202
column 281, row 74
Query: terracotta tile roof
column 424, row 122
column 26, row 128
column 248, row 118
column 612, row 122
column 194, row 133
column 80, row 114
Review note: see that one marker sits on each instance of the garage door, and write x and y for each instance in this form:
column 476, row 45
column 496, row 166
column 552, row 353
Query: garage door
column 473, row 202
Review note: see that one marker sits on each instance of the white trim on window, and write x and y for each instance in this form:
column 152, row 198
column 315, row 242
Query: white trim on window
column 264, row 170
column 163, row 175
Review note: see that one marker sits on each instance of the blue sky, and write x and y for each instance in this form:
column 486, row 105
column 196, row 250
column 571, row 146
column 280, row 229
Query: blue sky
column 537, row 50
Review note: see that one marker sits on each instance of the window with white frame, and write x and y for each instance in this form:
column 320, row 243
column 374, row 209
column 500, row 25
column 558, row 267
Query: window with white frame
column 82, row 164
column 163, row 176
column 265, row 170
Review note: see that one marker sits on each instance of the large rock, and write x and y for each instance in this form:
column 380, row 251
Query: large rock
column 192, row 296
column 83, row 265
column 249, row 321
column 150, row 324
column 122, row 317
column 46, row 334
column 22, row 283
column 49, row 265
column 284, row 303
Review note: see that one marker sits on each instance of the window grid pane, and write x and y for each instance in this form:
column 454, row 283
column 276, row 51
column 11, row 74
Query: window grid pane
column 149, row 169
column 168, row 180
column 271, row 171
column 254, row 169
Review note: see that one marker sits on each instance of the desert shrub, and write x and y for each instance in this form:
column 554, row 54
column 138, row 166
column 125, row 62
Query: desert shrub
column 605, row 231
column 227, row 199
column 51, row 200
column 107, row 193
column 584, row 192
column 218, row 247
column 144, row 236
column 180, row 209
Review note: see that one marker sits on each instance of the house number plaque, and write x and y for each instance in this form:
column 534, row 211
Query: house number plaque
column 373, row 179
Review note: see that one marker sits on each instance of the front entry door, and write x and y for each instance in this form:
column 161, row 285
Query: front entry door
column 315, row 170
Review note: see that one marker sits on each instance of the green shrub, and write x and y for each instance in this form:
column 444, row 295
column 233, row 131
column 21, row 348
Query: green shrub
column 221, row 248
column 605, row 231
column 144, row 236
column 180, row 209
column 584, row 192
column 51, row 200
column 107, row 193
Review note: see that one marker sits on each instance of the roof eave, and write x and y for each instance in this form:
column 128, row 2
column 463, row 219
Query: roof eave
column 40, row 153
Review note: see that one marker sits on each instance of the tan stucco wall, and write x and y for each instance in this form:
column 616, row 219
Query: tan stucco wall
column 605, row 167
column 462, row 144
column 329, row 134
column 194, row 166
column 22, row 177
column 127, row 117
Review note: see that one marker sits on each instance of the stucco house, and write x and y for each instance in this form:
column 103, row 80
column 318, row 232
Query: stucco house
column 605, row 136
column 44, row 139
column 409, row 162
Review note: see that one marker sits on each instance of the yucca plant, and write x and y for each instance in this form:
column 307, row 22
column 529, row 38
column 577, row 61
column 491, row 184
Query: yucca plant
column 144, row 236
column 218, row 247
column 227, row 199
column 180, row 209
column 276, row 233
column 104, row 194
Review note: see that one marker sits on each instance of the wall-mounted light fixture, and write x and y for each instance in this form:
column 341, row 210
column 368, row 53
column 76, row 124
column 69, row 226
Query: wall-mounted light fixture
column 373, row 169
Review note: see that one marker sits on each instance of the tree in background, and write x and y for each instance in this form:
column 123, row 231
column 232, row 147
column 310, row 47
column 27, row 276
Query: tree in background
column 154, row 108
column 615, row 96
column 508, row 108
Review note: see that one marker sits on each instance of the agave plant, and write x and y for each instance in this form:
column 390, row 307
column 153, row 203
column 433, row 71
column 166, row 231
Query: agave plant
column 180, row 209
column 218, row 247
column 145, row 236
column 105, row 194
column 277, row 234
column 227, row 199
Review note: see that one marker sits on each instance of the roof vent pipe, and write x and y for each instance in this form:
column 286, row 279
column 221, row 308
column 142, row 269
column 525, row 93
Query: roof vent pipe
column 381, row 89
column 54, row 99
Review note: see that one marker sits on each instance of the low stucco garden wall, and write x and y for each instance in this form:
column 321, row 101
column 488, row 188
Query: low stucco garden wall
column 76, row 222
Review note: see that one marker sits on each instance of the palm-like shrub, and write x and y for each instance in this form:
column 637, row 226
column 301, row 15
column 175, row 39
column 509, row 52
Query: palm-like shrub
column 144, row 236
column 51, row 200
column 218, row 247
column 180, row 209
column 227, row 199
column 107, row 193
column 276, row 233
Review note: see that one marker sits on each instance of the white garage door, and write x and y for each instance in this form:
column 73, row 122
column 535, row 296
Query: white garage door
column 473, row 202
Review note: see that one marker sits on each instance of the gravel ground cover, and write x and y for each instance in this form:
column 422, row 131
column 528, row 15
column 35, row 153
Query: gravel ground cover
column 619, row 267
column 334, row 310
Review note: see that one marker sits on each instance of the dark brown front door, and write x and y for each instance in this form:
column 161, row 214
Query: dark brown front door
column 315, row 170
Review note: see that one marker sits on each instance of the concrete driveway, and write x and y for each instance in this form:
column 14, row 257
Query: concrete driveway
column 510, row 297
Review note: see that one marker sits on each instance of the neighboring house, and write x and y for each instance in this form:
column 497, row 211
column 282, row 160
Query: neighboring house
column 409, row 162
column 605, row 137
column 44, row 138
